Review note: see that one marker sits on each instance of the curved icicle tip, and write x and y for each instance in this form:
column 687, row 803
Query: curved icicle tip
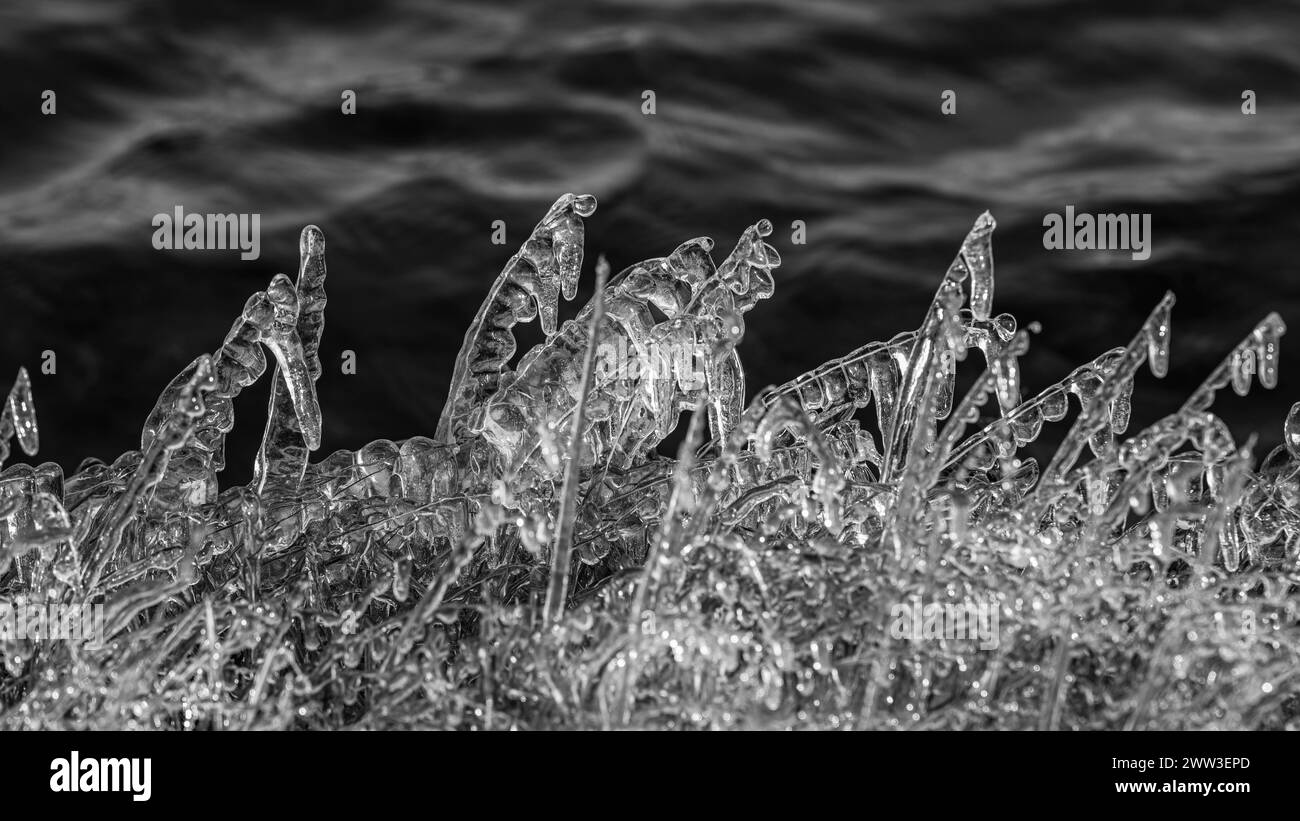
column 545, row 267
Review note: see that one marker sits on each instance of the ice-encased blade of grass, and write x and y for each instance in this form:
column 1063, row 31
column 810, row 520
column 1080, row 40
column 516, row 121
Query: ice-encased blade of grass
column 557, row 591
column 529, row 286
column 1095, row 420
column 920, row 468
column 169, row 437
column 974, row 262
column 282, row 458
column 1049, row 405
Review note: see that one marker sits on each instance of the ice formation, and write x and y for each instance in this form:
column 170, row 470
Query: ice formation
column 537, row 562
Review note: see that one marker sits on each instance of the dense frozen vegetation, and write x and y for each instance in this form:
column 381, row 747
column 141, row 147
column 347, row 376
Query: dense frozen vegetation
column 536, row 563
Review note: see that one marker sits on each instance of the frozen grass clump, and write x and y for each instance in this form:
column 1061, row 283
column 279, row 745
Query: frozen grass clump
column 536, row 563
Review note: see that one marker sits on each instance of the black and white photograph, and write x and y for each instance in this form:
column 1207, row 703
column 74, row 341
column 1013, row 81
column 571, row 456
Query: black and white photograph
column 650, row 365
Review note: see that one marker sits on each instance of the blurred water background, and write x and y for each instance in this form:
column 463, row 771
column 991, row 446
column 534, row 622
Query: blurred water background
column 826, row 111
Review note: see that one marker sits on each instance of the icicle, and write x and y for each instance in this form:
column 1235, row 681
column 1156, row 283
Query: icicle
column 1266, row 336
column 1157, row 335
column 1121, row 408
column 282, row 458
column 19, row 415
column 1243, row 370
column 883, row 378
column 945, row 382
column 1006, row 374
column 1239, row 366
column 1055, row 404
column 1028, row 424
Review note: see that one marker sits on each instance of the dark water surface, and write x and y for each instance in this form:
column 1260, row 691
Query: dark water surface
column 468, row 112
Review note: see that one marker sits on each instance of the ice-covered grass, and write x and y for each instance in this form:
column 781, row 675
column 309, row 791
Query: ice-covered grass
column 535, row 563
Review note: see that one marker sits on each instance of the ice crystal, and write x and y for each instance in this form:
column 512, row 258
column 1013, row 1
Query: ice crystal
column 537, row 562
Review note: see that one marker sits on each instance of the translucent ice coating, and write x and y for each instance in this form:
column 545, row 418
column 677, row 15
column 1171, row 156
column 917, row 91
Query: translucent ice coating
column 974, row 261
column 653, row 370
column 693, row 360
column 270, row 318
column 285, row 444
column 168, row 438
column 19, row 416
column 1095, row 423
column 546, row 265
column 537, row 563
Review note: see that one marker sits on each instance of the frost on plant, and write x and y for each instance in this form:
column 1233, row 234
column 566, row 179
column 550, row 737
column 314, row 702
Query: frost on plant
column 536, row 562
